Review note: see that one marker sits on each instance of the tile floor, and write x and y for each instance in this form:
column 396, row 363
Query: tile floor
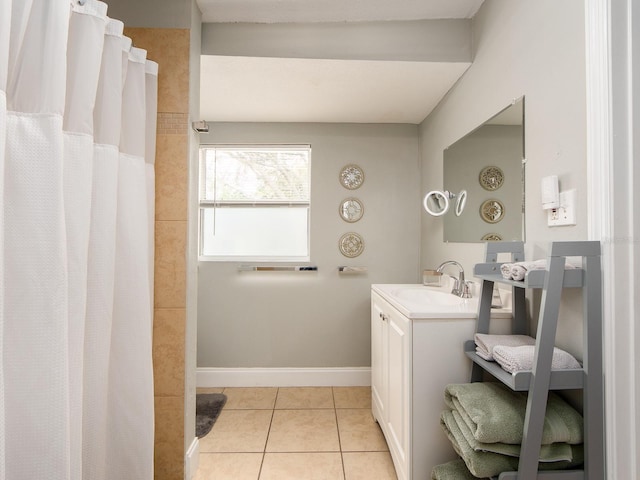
column 295, row 433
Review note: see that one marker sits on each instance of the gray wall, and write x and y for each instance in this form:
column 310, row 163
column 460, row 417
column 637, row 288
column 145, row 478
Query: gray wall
column 318, row 319
column 153, row 13
column 420, row 40
column 535, row 49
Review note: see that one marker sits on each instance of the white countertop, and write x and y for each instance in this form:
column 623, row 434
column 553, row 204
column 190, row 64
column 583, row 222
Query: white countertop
column 417, row 301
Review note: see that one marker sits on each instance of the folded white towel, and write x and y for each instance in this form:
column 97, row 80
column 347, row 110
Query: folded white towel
column 485, row 343
column 519, row 270
column 516, row 359
column 505, row 270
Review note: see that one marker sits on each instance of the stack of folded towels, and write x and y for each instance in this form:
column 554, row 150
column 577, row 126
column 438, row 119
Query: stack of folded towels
column 518, row 270
column 484, row 423
column 515, row 353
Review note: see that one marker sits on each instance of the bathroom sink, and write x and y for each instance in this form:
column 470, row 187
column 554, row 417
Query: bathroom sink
column 417, row 301
column 427, row 295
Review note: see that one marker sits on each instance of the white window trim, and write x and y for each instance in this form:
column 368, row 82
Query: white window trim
column 217, row 204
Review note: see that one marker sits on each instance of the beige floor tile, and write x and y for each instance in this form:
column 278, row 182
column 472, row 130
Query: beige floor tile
column 209, row 390
column 352, row 397
column 304, row 397
column 298, row 466
column 359, row 432
column 368, row 466
column 240, row 398
column 303, row 431
column 238, row 431
column 229, row 466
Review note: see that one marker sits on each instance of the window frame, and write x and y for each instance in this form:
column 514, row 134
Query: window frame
column 203, row 205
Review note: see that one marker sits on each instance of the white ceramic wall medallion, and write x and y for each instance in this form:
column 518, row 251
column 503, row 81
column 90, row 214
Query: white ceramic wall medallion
column 351, row 176
column 351, row 245
column 492, row 210
column 491, row 237
column 491, row 178
column 351, row 210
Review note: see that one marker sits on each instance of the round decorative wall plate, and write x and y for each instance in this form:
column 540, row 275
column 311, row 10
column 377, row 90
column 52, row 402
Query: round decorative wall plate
column 492, row 211
column 491, row 237
column 491, row 178
column 351, row 244
column 351, row 210
column 351, row 177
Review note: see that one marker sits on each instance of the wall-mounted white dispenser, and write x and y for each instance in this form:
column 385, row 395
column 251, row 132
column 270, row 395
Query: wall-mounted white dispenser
column 550, row 192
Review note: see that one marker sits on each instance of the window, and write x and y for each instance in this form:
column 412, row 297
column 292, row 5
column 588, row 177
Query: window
column 254, row 203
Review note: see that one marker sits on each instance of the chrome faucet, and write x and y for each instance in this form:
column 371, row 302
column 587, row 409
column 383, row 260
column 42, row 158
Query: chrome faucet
column 460, row 286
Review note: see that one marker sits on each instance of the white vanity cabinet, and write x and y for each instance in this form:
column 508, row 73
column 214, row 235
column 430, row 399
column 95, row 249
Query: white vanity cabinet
column 412, row 360
column 390, row 378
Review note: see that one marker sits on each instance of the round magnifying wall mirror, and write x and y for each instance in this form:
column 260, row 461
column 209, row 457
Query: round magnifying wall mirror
column 436, row 203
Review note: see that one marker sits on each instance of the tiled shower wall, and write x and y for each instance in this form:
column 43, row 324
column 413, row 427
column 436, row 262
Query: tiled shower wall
column 170, row 48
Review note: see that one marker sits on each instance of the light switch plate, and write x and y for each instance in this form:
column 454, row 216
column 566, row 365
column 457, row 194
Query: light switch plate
column 565, row 214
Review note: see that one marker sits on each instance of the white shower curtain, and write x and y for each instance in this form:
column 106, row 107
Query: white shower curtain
column 76, row 389
column 5, row 23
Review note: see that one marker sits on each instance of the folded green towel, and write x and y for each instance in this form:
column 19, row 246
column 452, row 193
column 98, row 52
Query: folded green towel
column 495, row 414
column 488, row 464
column 555, row 452
column 454, row 470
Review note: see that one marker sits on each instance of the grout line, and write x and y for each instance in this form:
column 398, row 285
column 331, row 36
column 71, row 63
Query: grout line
column 264, row 453
column 340, row 447
column 335, row 412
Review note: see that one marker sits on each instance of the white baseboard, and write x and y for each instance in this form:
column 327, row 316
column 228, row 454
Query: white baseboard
column 192, row 459
column 283, row 377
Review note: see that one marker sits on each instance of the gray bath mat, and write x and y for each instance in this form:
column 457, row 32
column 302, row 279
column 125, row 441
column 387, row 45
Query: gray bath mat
column 208, row 406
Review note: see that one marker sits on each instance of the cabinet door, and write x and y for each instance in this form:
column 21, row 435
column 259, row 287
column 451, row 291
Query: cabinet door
column 399, row 402
column 379, row 346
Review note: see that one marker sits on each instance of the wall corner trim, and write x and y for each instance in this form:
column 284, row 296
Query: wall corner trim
column 192, row 459
column 283, row 377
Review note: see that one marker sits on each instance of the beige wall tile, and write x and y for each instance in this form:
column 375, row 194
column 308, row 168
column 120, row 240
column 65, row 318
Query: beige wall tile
column 368, row 465
column 169, row 441
column 304, row 397
column 170, row 48
column 168, row 351
column 231, row 466
column 171, row 177
column 303, row 431
column 307, row 466
column 170, row 264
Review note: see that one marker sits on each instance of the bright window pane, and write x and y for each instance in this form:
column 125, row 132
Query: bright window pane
column 255, row 174
column 254, row 203
column 259, row 232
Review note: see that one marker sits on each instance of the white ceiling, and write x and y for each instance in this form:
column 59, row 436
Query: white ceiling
column 250, row 89
column 241, row 89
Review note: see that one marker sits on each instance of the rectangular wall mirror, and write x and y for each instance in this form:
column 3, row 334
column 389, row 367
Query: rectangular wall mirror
column 489, row 164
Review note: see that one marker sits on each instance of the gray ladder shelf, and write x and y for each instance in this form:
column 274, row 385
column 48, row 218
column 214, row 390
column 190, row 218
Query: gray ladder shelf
column 541, row 378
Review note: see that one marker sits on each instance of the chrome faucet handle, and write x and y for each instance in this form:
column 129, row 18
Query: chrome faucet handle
column 458, row 283
column 456, row 287
column 465, row 291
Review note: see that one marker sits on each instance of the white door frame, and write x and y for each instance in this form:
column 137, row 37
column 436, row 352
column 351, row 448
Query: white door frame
column 612, row 72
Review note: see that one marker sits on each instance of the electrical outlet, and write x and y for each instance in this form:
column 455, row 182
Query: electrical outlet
column 565, row 214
